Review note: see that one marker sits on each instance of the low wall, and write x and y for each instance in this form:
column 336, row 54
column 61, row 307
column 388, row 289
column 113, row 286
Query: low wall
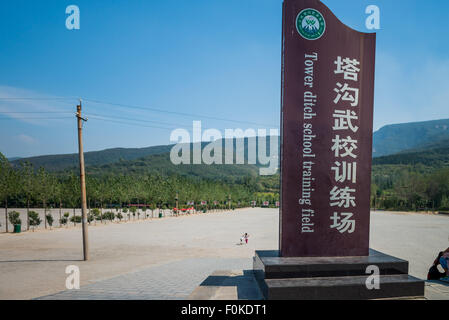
column 55, row 212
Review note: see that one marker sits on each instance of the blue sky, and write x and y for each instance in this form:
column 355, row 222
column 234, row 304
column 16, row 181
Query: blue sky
column 210, row 58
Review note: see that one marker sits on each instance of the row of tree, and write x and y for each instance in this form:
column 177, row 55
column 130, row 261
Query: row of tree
column 26, row 187
column 93, row 215
column 394, row 187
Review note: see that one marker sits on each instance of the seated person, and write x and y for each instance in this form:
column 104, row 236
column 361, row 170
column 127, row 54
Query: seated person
column 434, row 273
column 444, row 262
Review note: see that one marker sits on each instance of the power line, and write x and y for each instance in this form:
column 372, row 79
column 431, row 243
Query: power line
column 29, row 98
column 130, row 124
column 31, row 112
column 143, row 108
column 192, row 115
column 96, row 117
column 132, row 119
column 42, row 118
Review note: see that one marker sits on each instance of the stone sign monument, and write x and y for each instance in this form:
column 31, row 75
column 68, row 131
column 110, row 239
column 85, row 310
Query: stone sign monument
column 326, row 150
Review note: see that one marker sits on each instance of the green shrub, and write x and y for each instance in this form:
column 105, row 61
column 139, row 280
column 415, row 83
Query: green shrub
column 76, row 219
column 90, row 217
column 14, row 218
column 49, row 219
column 34, row 219
column 95, row 212
column 63, row 221
column 109, row 215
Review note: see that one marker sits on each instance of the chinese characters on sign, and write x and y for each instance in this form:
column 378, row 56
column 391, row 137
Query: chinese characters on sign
column 343, row 194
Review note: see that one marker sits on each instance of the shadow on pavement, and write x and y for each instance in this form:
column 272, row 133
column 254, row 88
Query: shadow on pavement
column 245, row 283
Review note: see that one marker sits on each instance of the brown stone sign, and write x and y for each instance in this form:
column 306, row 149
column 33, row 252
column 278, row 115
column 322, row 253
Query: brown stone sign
column 326, row 144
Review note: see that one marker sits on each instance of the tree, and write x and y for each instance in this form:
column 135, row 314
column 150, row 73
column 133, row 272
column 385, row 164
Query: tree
column 49, row 219
column 109, row 191
column 34, row 219
column 58, row 194
column 133, row 211
column 152, row 207
column 64, row 220
column 72, row 192
column 75, row 219
column 109, row 216
column 28, row 185
column 101, row 186
column 95, row 212
column 92, row 189
column 90, row 217
column 43, row 188
column 119, row 190
column 6, row 183
column 125, row 193
column 14, row 218
column 125, row 210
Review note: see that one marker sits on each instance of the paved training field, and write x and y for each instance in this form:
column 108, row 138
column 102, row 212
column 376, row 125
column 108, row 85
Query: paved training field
column 168, row 258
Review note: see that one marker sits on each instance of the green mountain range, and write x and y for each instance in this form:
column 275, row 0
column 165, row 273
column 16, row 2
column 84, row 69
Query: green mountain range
column 68, row 161
column 150, row 160
column 410, row 143
column 396, row 138
column 432, row 155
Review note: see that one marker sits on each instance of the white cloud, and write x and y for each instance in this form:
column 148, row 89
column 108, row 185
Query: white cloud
column 27, row 101
column 27, row 139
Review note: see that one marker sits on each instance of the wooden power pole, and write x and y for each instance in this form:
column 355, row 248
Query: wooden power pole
column 83, row 183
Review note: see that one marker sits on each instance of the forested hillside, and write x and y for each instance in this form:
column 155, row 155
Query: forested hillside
column 68, row 161
column 413, row 180
column 395, row 138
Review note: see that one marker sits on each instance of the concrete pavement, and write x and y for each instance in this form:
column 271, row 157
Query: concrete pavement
column 169, row 258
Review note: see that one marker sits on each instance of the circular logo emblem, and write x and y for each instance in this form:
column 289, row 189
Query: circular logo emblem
column 310, row 24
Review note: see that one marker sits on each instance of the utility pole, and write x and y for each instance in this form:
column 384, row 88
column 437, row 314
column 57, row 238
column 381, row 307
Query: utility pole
column 83, row 182
column 229, row 200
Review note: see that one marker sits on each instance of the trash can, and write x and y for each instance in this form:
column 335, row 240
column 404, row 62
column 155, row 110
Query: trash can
column 204, row 210
column 17, row 228
column 160, row 214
